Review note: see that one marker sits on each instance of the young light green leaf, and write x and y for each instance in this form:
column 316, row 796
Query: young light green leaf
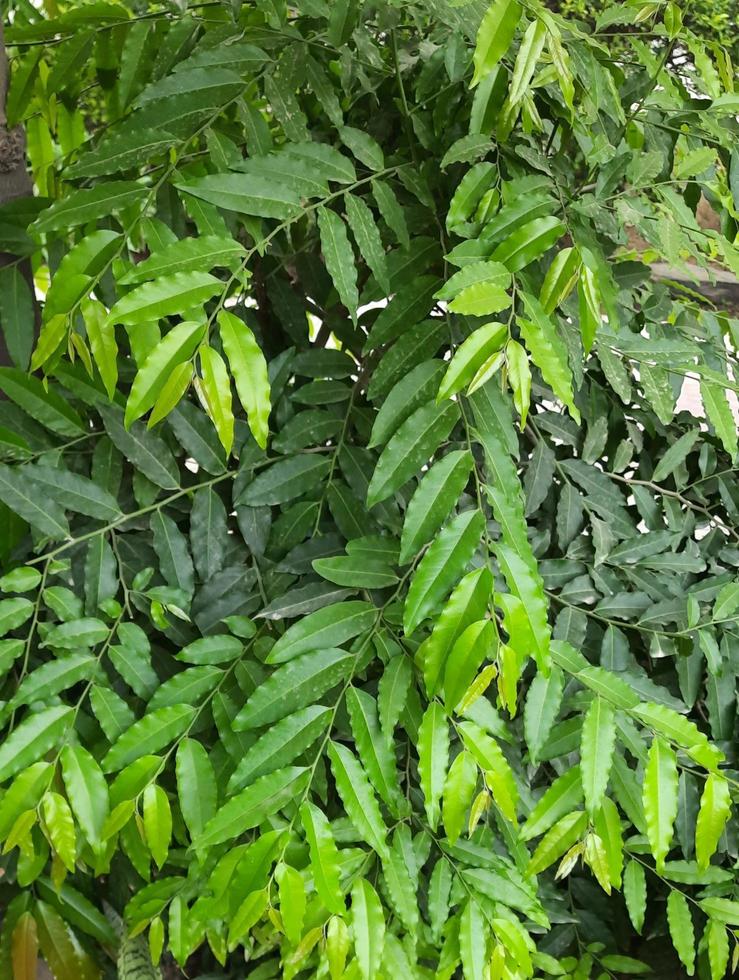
column 596, row 751
column 659, row 798
column 494, row 36
column 157, row 817
column 60, row 827
column 249, row 370
column 175, row 348
column 214, row 386
column 527, row 58
column 482, row 344
column 459, row 788
column 87, row 792
column 715, row 808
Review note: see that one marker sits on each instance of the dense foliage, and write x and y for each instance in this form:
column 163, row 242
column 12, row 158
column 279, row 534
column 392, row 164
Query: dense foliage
column 369, row 604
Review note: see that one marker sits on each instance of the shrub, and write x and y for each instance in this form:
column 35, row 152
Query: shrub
column 369, row 599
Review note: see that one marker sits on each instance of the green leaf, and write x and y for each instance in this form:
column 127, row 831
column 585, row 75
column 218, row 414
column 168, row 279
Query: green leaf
column 59, row 945
column 715, row 808
column 187, row 255
column 281, row 744
column 470, row 357
column 635, row 893
column 34, row 737
column 548, row 353
column 148, row 735
column 157, row 817
column 368, row 927
column 433, row 759
column 433, row 500
column 327, row 627
column 285, row 480
column 527, row 58
column 465, row 658
column 144, row 449
column 83, row 206
column 359, row 571
column 249, row 370
column 196, row 785
column 53, row 677
column 75, row 492
column 720, row 415
column 416, row 388
column 441, row 566
column 392, row 694
column 251, row 806
column 459, row 788
column 165, row 296
column 391, row 210
column 247, row 194
column 675, row 455
column 294, row 685
column 16, row 315
column 358, row 797
column 43, row 404
column 367, row 236
column 339, row 258
column 467, row 604
column 87, row 792
column 177, row 347
column 494, row 36
column 324, row 857
column 363, row 147
column 681, row 929
column 291, row 891
column 542, row 709
column 373, row 749
column 559, row 799
column 597, row 743
column 528, row 242
column 60, row 826
column 659, row 798
column 560, row 279
column 473, row 940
